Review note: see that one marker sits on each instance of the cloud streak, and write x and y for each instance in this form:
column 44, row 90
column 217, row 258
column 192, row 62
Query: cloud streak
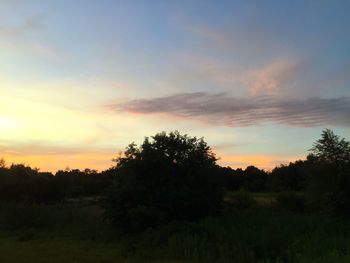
column 221, row 109
column 28, row 36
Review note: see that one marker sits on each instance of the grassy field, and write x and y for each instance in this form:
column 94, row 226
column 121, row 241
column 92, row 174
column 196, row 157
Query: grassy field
column 266, row 198
column 78, row 234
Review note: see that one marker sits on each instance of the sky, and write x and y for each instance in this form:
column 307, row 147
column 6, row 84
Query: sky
column 259, row 80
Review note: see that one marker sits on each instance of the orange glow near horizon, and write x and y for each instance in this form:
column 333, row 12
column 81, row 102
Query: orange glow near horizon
column 103, row 160
column 267, row 162
column 53, row 163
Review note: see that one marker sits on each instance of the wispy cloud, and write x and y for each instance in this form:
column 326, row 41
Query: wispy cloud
column 276, row 76
column 273, row 77
column 245, row 37
column 27, row 26
column 45, row 148
column 27, row 36
column 222, row 109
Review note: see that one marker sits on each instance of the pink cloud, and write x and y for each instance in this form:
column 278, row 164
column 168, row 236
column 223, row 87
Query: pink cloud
column 269, row 79
column 272, row 77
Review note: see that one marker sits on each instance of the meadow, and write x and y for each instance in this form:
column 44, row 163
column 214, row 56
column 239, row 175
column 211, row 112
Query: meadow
column 254, row 231
column 168, row 201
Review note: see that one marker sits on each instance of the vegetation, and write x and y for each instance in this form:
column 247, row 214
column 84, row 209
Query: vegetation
column 169, row 177
column 168, row 201
column 258, row 234
column 24, row 184
column 329, row 171
column 331, row 149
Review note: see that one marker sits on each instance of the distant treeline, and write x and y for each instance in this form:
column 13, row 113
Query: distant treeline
column 19, row 182
column 292, row 177
column 320, row 170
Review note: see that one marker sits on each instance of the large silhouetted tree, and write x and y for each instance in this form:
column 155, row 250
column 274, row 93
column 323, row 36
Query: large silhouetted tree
column 169, row 177
column 330, row 148
column 330, row 172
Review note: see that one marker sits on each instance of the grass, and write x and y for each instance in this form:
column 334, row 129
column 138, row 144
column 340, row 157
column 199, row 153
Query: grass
column 56, row 250
column 78, row 234
column 266, row 198
column 261, row 198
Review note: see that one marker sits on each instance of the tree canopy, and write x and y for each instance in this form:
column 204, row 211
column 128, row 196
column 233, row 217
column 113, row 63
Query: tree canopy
column 169, row 177
column 330, row 173
column 330, row 148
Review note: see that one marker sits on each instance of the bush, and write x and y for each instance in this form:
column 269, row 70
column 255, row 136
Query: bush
column 290, row 201
column 339, row 200
column 329, row 189
column 171, row 177
column 16, row 216
column 243, row 200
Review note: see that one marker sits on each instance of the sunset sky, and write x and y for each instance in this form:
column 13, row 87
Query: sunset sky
column 259, row 80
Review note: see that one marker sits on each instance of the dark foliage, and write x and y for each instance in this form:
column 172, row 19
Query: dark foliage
column 175, row 177
column 76, row 183
column 255, row 179
column 243, row 200
column 329, row 171
column 252, row 179
column 331, row 149
column 291, row 201
column 339, row 199
column 22, row 183
column 290, row 177
column 233, row 179
column 169, row 177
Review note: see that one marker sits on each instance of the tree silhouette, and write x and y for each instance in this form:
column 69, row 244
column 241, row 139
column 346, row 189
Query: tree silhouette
column 2, row 163
column 330, row 173
column 169, row 177
column 331, row 148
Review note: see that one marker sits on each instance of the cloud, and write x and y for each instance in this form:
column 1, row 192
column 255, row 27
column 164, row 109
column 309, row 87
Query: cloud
column 246, row 38
column 45, row 148
column 28, row 25
column 277, row 76
column 271, row 78
column 221, row 109
column 27, row 36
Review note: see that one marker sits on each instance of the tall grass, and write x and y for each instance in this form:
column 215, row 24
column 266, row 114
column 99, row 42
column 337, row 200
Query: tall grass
column 251, row 236
column 263, row 235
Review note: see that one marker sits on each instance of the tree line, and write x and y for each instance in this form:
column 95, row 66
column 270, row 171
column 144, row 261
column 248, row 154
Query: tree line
column 19, row 182
column 176, row 177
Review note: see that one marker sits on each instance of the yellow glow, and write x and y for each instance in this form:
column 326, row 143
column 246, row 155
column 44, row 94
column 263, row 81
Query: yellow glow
column 39, row 121
column 53, row 162
column 40, row 125
column 7, row 123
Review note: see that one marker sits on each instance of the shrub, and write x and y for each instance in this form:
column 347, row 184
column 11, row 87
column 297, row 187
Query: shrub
column 290, row 201
column 243, row 200
column 339, row 200
column 25, row 216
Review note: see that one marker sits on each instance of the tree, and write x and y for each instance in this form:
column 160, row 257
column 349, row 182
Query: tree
column 329, row 170
column 291, row 177
column 331, row 148
column 2, row 163
column 169, row 177
column 255, row 179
